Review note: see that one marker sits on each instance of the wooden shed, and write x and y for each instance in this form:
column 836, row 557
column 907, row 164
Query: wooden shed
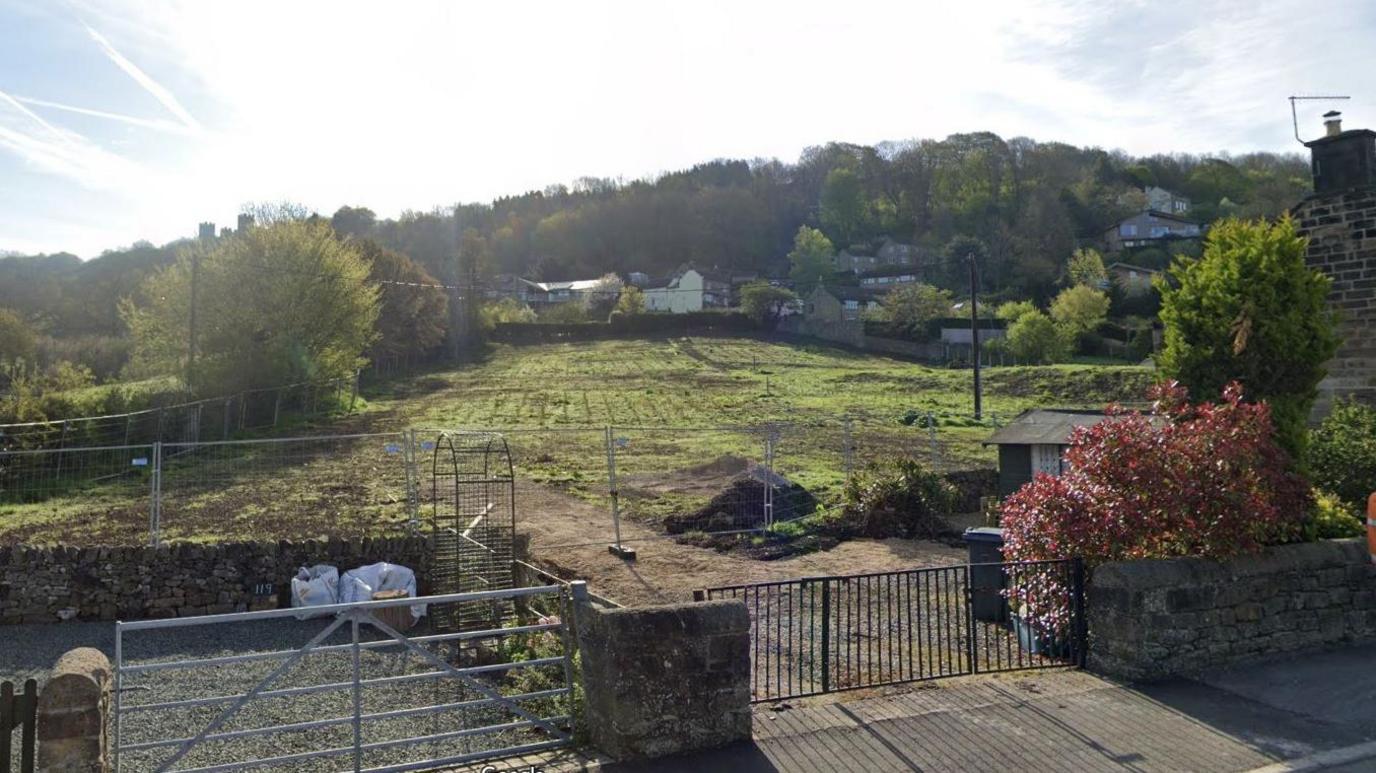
column 1035, row 442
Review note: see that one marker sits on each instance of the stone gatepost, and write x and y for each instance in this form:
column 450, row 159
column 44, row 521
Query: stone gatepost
column 666, row 679
column 72, row 711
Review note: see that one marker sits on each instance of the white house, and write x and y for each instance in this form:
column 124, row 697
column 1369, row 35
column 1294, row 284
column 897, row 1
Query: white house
column 688, row 290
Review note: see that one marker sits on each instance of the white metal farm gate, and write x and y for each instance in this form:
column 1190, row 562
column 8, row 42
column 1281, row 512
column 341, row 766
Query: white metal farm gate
column 357, row 690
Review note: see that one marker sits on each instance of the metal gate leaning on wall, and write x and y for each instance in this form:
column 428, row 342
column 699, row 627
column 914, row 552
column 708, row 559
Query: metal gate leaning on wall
column 350, row 692
column 817, row 635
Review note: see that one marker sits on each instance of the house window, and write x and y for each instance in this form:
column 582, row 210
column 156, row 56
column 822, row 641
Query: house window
column 1128, row 229
column 1157, row 231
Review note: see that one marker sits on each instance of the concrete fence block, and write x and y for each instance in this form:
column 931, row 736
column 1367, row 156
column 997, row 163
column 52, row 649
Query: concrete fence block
column 72, row 712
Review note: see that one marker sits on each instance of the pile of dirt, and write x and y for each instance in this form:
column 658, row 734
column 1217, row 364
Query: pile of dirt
column 740, row 505
column 970, row 485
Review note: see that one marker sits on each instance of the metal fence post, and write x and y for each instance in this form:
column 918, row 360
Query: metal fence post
column 155, row 502
column 931, row 435
column 1079, row 623
column 243, row 406
column 848, row 449
column 826, row 635
column 276, row 405
column 353, row 391
column 971, row 649
column 412, row 480
column 61, row 444
column 225, row 421
column 616, row 548
column 357, row 696
column 769, row 475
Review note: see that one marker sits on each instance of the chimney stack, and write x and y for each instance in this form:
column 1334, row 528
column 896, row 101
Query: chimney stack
column 1333, row 123
column 1342, row 160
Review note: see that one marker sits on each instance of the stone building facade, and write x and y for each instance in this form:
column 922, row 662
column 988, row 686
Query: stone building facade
column 1339, row 219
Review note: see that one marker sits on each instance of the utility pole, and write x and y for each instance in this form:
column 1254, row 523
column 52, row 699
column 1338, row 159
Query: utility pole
column 191, row 323
column 974, row 327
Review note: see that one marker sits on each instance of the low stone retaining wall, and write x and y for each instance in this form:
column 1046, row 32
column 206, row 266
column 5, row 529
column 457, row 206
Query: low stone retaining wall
column 1160, row 618
column 665, row 679
column 41, row 585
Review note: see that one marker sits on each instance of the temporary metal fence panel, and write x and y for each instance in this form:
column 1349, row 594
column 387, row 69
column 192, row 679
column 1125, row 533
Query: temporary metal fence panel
column 825, row 634
column 215, row 418
column 715, row 480
column 345, row 689
column 97, row 495
column 341, row 485
column 18, row 716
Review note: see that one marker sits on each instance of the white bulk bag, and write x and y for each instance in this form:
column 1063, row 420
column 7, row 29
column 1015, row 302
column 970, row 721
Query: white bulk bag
column 315, row 586
column 360, row 584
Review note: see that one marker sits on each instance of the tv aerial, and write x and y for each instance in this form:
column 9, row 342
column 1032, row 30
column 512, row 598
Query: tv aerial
column 1294, row 116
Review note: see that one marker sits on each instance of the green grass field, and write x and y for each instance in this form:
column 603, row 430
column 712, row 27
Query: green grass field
column 681, row 411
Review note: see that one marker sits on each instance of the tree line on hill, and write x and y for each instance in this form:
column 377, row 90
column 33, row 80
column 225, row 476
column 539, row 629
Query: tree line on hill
column 1027, row 205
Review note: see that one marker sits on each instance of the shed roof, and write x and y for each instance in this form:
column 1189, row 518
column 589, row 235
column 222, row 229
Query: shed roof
column 1044, row 426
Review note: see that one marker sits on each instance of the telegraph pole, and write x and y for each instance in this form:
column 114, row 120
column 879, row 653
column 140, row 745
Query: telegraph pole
column 974, row 327
column 191, row 323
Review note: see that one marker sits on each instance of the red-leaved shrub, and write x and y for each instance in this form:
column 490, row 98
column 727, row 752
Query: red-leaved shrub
column 1191, row 479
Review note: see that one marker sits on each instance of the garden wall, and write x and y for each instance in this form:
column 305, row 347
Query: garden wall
column 42, row 585
column 1160, row 618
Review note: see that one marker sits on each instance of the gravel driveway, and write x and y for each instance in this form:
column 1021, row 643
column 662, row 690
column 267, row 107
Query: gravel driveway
column 30, row 650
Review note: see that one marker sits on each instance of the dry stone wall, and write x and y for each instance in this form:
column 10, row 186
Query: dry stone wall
column 52, row 584
column 1160, row 618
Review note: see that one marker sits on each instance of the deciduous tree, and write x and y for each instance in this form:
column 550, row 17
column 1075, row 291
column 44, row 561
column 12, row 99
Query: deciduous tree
column 811, row 258
column 278, row 304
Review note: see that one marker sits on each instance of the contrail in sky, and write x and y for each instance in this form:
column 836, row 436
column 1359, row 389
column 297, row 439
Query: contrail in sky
column 143, row 79
column 148, row 123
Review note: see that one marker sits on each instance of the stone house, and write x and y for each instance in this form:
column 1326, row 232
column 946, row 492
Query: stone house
column 1339, row 218
column 1133, row 279
column 839, row 303
column 1162, row 200
column 688, row 290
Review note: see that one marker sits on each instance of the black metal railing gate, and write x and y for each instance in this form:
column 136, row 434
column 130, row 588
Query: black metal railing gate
column 816, row 635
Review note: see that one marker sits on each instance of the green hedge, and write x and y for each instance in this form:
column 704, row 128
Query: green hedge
column 691, row 323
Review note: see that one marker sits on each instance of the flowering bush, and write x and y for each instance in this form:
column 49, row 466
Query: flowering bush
column 1203, row 479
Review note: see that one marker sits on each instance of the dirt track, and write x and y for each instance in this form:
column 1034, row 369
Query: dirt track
column 569, row 537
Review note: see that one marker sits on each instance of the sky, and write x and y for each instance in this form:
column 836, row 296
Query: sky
column 123, row 121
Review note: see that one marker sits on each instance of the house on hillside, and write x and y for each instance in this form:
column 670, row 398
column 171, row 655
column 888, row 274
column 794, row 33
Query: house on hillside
column 839, row 303
column 1150, row 228
column 890, row 253
column 1133, row 279
column 888, row 277
column 1162, row 200
column 688, row 290
column 542, row 294
column 513, row 286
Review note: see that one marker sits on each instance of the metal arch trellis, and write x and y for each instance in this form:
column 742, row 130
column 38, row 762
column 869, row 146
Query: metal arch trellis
column 473, row 524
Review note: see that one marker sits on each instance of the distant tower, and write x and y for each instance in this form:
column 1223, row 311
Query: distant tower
column 207, row 232
column 245, row 222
